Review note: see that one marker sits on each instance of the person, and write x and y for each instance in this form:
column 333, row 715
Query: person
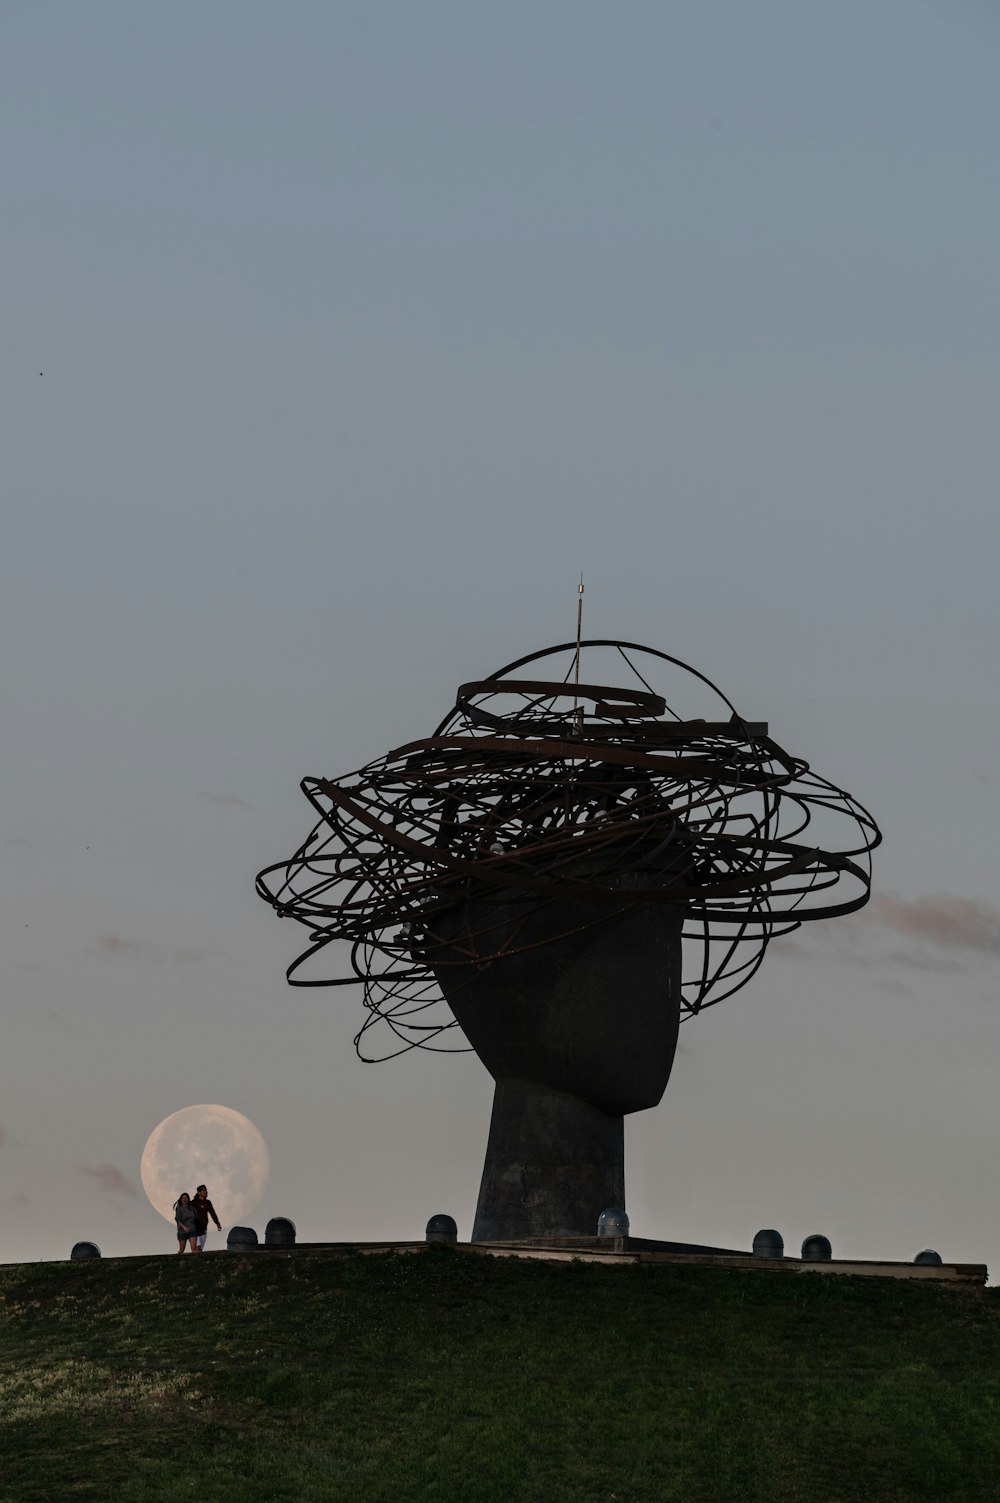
column 203, row 1208
column 187, row 1223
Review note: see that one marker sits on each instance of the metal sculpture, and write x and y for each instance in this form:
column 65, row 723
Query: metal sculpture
column 563, row 871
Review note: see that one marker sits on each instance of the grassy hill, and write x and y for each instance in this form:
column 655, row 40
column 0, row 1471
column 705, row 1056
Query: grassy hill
column 441, row 1375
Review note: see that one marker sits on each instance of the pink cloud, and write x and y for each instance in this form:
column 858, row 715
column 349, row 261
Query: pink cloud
column 108, row 1178
column 960, row 923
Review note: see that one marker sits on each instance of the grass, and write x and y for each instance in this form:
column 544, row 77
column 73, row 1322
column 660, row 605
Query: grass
column 443, row 1376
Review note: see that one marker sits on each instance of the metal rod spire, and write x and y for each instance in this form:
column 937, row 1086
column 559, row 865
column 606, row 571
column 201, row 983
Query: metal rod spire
column 577, row 727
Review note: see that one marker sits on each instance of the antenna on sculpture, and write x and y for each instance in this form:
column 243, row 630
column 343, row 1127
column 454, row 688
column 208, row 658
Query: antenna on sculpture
column 577, row 717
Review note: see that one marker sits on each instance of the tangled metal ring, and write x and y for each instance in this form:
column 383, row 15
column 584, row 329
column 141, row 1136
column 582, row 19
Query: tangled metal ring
column 551, row 788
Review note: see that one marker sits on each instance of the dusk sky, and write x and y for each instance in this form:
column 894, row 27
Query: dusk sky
column 337, row 340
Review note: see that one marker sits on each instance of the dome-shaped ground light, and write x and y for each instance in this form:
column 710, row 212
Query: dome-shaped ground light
column 929, row 1256
column 816, row 1249
column 612, row 1223
column 768, row 1244
column 84, row 1251
column 242, row 1239
column 279, row 1232
column 442, row 1228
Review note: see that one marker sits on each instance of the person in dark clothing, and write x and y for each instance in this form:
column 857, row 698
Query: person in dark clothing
column 203, row 1208
column 187, row 1223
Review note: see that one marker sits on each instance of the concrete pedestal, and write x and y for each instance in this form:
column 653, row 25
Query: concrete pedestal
column 553, row 1164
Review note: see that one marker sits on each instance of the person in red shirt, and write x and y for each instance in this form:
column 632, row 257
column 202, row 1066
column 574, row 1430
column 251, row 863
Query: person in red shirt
column 203, row 1208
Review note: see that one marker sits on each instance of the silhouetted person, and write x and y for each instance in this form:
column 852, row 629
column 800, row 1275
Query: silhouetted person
column 203, row 1208
column 187, row 1223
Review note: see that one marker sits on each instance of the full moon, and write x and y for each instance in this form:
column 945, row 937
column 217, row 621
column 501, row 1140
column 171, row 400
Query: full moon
column 206, row 1145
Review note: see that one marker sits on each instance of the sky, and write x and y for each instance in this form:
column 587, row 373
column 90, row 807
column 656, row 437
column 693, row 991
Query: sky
column 337, row 339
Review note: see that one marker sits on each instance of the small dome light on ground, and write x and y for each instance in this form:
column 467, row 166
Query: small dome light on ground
column 442, row 1228
column 242, row 1239
column 279, row 1232
column 768, row 1244
column 612, row 1223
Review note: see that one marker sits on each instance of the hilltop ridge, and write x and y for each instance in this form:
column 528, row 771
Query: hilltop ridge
column 432, row 1375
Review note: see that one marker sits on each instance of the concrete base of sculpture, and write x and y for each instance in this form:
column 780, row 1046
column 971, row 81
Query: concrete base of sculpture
column 553, row 1164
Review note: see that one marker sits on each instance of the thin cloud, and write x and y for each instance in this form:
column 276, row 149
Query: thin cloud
column 942, row 933
column 107, row 1178
column 51, row 1016
column 893, row 985
column 3, row 1137
column 21, row 1198
column 958, row 923
column 919, row 958
column 228, row 799
column 117, row 944
column 783, row 948
column 114, row 944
